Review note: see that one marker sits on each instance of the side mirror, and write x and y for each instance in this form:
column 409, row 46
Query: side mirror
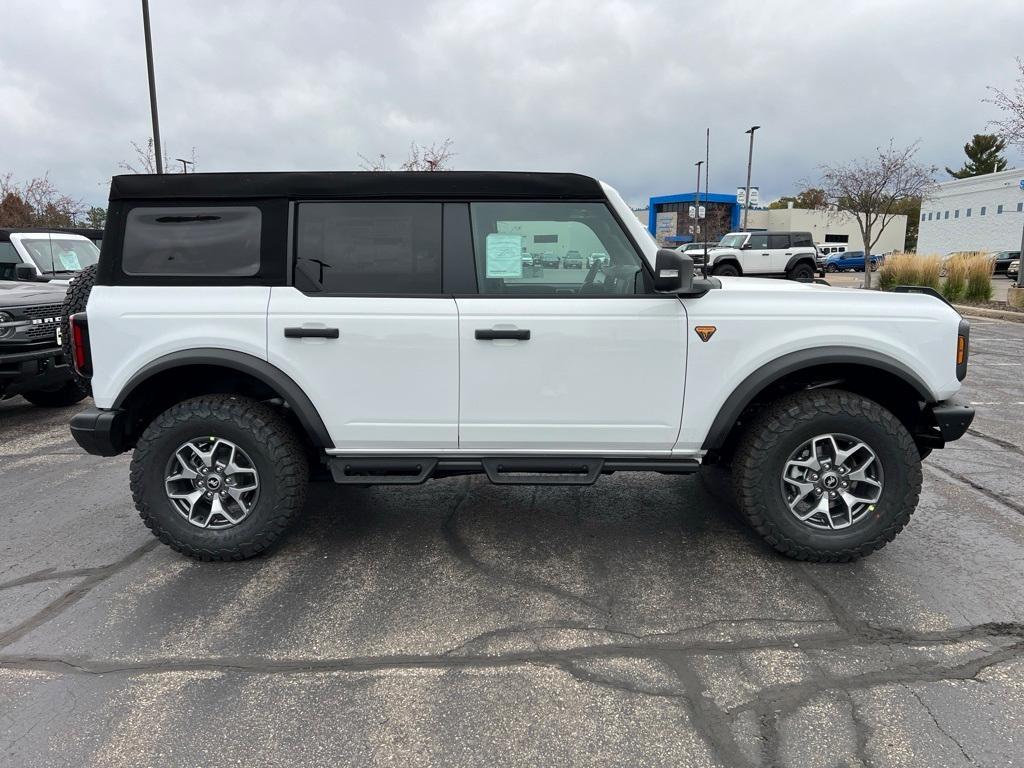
column 25, row 272
column 745, row 247
column 673, row 272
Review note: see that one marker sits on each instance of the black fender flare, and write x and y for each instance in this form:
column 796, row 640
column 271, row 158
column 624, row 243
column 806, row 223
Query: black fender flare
column 809, row 258
column 260, row 369
column 728, row 258
column 782, row 366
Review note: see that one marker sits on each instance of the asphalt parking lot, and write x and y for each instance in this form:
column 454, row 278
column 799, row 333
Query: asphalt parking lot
column 635, row 622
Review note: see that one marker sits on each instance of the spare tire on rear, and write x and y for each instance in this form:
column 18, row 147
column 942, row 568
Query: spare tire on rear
column 74, row 301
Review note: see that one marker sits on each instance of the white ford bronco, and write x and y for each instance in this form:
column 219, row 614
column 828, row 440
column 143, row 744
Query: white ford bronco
column 247, row 333
column 789, row 254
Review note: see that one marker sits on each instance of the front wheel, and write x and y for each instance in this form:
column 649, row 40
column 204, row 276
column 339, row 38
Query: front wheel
column 831, row 268
column 827, row 476
column 725, row 270
column 219, row 477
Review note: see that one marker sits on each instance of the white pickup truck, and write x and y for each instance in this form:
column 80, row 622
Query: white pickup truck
column 245, row 333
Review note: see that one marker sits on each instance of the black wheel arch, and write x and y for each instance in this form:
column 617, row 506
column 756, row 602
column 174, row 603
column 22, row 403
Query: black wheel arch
column 146, row 393
column 873, row 374
column 729, row 259
column 801, row 258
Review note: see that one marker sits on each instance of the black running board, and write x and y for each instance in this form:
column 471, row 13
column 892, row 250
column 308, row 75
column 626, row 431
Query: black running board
column 501, row 470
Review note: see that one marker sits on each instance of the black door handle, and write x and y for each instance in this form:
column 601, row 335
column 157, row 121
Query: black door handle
column 486, row 334
column 311, row 333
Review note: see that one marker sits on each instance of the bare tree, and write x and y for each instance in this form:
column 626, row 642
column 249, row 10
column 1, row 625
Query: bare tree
column 145, row 160
column 36, row 203
column 875, row 189
column 435, row 157
column 1011, row 127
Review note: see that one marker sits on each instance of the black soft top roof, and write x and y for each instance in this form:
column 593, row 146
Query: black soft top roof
column 358, row 185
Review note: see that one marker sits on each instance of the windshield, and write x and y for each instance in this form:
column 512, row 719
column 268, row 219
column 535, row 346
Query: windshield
column 60, row 254
column 733, row 241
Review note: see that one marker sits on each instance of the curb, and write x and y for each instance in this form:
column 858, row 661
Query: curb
column 998, row 314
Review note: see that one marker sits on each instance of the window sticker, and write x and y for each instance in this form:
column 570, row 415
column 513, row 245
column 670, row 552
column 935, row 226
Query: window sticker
column 504, row 255
column 69, row 260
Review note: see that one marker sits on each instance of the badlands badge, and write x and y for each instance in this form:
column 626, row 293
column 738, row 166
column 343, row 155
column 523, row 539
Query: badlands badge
column 705, row 331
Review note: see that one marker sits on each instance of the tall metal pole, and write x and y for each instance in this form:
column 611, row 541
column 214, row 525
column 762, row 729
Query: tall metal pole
column 157, row 146
column 750, row 162
column 707, row 183
column 696, row 203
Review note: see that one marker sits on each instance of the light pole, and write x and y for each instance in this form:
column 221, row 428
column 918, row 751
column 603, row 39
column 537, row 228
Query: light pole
column 696, row 203
column 750, row 162
column 157, row 146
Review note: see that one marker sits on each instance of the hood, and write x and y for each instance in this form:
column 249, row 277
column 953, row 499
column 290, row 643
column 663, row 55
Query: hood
column 18, row 293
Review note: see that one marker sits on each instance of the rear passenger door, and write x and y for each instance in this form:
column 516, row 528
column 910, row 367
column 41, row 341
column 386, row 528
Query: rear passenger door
column 365, row 328
column 779, row 247
column 756, row 256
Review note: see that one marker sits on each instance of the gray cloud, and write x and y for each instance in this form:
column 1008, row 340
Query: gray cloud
column 621, row 90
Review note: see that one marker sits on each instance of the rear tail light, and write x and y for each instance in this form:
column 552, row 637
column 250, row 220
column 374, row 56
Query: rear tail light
column 81, row 354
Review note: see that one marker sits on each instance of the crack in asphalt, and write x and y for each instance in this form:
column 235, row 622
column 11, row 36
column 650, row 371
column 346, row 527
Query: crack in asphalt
column 1004, row 444
column 935, row 720
column 56, row 607
column 989, row 494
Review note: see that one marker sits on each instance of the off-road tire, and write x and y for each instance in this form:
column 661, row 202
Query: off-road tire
column 263, row 434
column 786, row 424
column 832, row 268
column 74, row 301
column 725, row 270
column 68, row 393
column 801, row 272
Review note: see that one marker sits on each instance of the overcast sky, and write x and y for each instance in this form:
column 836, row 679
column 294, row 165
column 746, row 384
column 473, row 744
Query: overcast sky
column 620, row 90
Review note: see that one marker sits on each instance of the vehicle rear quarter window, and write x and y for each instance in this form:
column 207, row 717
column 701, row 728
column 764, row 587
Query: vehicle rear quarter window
column 192, row 241
column 368, row 248
column 803, row 240
column 778, row 241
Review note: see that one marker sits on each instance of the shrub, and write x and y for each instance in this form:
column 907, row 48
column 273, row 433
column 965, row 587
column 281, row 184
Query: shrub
column 957, row 268
column 909, row 269
column 979, row 277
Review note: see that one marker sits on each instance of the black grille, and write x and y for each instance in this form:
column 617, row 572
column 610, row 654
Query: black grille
column 49, row 314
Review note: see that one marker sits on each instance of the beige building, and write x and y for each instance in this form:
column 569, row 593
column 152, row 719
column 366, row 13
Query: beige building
column 828, row 227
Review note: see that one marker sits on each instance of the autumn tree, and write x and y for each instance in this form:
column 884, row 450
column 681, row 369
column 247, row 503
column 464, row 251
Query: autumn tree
column 984, row 155
column 36, row 203
column 809, row 198
column 874, row 189
column 434, row 157
column 1011, row 126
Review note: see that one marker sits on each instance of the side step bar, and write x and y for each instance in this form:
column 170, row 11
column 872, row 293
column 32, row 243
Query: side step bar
column 503, row 470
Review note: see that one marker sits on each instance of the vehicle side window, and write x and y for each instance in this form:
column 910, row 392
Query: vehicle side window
column 368, row 248
column 193, row 241
column 802, row 240
column 557, row 249
column 758, row 242
column 778, row 241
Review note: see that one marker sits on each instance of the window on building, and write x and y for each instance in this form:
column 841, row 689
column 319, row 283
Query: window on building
column 999, row 208
column 192, row 241
column 837, row 238
column 968, row 213
column 946, row 216
column 929, row 215
column 368, row 248
column 1020, row 207
column 956, row 214
column 982, row 211
column 545, row 238
column 923, row 216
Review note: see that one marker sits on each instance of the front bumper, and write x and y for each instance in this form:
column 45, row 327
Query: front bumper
column 943, row 423
column 101, row 432
column 31, row 371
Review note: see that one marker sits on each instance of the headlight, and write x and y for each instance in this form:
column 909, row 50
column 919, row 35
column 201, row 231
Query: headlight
column 6, row 331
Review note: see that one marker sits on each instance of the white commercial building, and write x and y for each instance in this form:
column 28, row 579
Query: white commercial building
column 982, row 213
column 835, row 227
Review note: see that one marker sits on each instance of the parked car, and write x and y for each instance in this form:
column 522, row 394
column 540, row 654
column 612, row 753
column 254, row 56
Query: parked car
column 1013, row 270
column 549, row 259
column 851, row 260
column 55, row 255
column 572, row 260
column 764, row 253
column 1001, row 260
column 824, row 251
column 32, row 362
column 696, row 251
column 598, row 258
column 293, row 356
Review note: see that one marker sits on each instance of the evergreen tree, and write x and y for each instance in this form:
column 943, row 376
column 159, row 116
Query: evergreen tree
column 984, row 155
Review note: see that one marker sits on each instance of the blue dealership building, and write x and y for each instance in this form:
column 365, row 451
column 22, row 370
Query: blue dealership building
column 670, row 223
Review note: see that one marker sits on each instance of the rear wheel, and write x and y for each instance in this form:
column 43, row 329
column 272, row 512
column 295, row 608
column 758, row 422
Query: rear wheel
column 802, row 271
column 827, row 475
column 725, row 270
column 831, row 268
column 68, row 393
column 219, row 477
